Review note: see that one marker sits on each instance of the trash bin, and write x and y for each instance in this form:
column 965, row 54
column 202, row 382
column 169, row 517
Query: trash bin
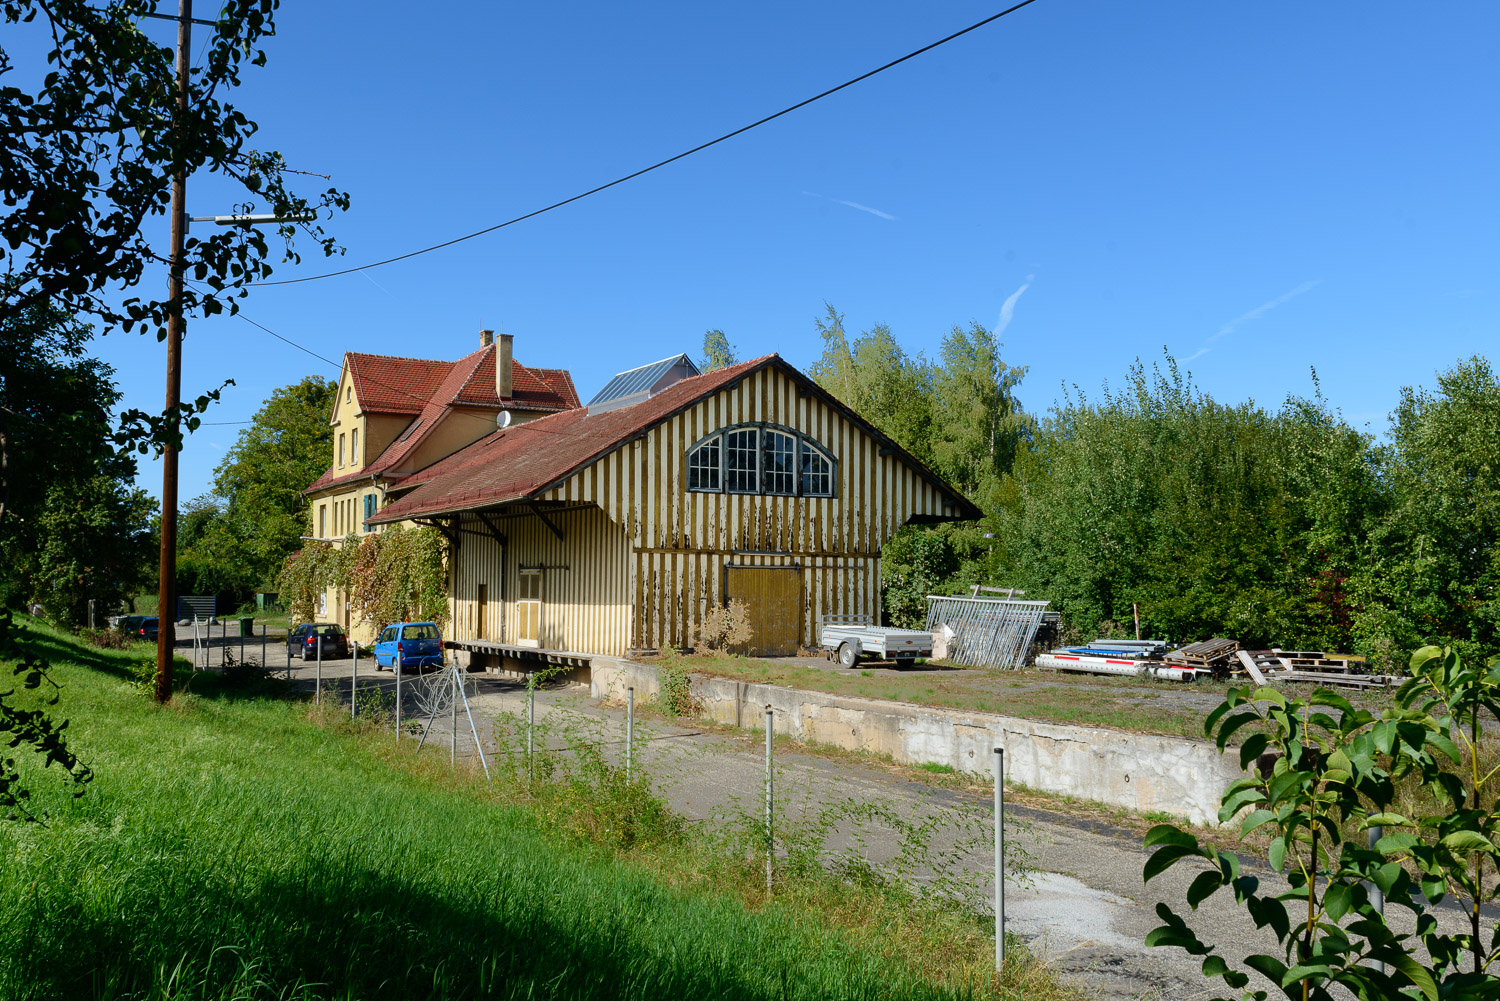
column 247, row 625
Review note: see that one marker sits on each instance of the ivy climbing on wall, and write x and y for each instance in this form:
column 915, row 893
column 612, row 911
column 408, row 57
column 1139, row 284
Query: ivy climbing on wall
column 400, row 575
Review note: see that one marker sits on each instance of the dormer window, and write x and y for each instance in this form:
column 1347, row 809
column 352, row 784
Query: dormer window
column 760, row 459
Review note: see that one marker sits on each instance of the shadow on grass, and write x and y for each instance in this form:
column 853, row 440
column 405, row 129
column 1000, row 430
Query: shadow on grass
column 58, row 650
column 344, row 931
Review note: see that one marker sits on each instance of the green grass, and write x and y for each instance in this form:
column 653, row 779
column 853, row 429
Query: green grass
column 936, row 769
column 236, row 845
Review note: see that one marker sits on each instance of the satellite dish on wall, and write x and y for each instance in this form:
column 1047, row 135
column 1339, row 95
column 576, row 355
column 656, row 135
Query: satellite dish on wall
column 503, row 419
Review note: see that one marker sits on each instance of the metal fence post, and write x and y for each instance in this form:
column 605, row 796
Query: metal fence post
column 242, row 646
column 453, row 721
column 398, row 691
column 999, row 858
column 1377, row 897
column 318, row 685
column 223, row 644
column 354, row 683
column 770, row 829
column 629, row 728
column 264, row 663
column 530, row 729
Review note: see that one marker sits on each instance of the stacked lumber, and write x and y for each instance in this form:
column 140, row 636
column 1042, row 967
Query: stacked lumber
column 1216, row 656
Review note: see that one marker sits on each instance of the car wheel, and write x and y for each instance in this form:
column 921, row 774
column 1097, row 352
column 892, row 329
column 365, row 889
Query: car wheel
column 847, row 656
column 305, row 656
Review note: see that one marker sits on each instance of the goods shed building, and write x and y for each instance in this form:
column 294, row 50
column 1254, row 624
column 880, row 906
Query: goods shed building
column 616, row 527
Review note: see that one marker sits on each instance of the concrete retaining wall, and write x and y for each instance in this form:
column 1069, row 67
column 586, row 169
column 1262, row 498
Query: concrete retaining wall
column 1170, row 774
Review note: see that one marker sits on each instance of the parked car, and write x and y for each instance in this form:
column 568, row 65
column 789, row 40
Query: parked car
column 145, row 629
column 305, row 640
column 417, row 644
column 130, row 625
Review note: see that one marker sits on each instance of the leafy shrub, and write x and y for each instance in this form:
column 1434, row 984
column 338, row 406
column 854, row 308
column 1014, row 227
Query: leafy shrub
column 107, row 639
column 916, row 564
column 676, row 696
column 1335, row 784
column 726, row 627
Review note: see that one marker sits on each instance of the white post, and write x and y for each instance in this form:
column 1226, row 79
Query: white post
column 318, row 687
column 629, row 728
column 770, row 829
column 354, row 683
column 530, row 728
column 398, row 691
column 264, row 663
column 1376, row 896
column 453, row 722
column 999, row 858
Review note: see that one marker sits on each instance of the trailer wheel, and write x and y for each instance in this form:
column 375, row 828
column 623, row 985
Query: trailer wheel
column 847, row 656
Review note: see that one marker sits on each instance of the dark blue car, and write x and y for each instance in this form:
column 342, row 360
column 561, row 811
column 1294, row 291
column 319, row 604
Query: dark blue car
column 417, row 644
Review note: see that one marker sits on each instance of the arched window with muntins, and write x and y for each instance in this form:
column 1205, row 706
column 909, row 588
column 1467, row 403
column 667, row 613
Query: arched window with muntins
column 761, row 459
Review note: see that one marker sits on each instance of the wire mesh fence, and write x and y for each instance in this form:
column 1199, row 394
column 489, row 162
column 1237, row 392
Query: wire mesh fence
column 986, row 632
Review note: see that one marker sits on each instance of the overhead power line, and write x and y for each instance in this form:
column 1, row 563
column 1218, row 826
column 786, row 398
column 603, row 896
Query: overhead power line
column 656, row 166
column 488, row 422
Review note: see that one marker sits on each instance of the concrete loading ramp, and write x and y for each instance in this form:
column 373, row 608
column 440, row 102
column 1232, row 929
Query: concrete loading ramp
column 1139, row 772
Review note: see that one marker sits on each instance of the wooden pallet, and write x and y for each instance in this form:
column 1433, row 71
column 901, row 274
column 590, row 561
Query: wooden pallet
column 1315, row 667
column 1320, row 678
column 1216, row 655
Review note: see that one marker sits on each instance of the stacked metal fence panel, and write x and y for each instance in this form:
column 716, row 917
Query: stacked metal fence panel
column 987, row 632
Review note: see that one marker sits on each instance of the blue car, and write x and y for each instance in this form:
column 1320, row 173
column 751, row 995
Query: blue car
column 417, row 644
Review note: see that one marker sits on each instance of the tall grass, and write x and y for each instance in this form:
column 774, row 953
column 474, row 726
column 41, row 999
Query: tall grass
column 232, row 847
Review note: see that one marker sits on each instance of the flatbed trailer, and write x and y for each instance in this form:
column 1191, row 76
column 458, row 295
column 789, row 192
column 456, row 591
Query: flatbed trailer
column 847, row 638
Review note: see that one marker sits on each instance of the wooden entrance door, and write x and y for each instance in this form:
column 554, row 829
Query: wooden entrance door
column 774, row 597
column 529, row 608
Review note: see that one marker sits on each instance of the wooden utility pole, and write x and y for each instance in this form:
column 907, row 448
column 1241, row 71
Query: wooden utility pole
column 166, row 601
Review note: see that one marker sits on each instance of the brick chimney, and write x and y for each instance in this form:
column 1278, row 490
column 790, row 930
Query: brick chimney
column 486, row 338
column 503, row 366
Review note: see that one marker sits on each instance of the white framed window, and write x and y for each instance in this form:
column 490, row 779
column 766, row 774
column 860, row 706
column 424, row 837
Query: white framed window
column 705, row 465
column 741, row 461
column 341, row 448
column 816, row 472
column 354, row 447
column 779, row 454
column 761, row 459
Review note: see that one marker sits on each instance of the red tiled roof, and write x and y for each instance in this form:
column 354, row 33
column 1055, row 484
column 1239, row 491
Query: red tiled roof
column 529, row 458
column 386, row 384
column 393, row 383
column 329, row 479
column 531, row 388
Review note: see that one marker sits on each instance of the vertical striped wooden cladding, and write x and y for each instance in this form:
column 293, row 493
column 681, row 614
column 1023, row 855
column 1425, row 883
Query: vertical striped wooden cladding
column 585, row 589
column 678, row 543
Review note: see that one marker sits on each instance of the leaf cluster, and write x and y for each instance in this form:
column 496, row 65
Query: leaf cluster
column 398, row 575
column 32, row 729
column 1322, row 780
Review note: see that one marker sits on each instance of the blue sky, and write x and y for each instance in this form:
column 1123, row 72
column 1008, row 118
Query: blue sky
column 1260, row 189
